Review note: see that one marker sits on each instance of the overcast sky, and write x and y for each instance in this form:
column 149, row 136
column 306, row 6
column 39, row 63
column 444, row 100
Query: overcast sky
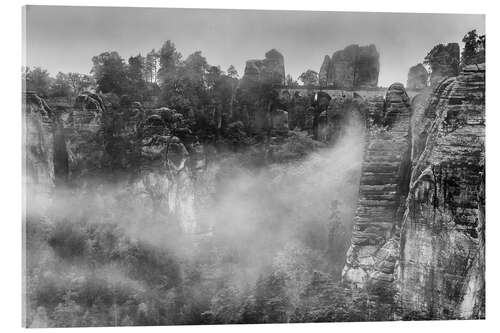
column 65, row 38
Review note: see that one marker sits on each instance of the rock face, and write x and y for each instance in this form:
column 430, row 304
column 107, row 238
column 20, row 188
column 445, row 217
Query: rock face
column 84, row 136
column 355, row 67
column 97, row 142
column 444, row 61
column 271, row 69
column 340, row 112
column 380, row 193
column 259, row 80
column 324, row 72
column 441, row 271
column 418, row 235
column 62, row 145
column 279, row 120
column 417, row 77
column 38, row 134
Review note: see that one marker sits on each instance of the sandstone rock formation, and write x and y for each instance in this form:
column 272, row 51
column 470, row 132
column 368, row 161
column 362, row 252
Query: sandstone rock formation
column 324, row 72
column 375, row 109
column 355, row 67
column 418, row 235
column 63, row 145
column 444, row 61
column 380, row 193
column 90, row 101
column 417, row 77
column 83, row 133
column 279, row 120
column 38, row 136
column 271, row 70
column 95, row 141
column 342, row 110
column 441, row 271
column 257, row 93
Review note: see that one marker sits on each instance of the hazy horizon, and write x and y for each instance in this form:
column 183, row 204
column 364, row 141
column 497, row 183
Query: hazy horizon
column 65, row 38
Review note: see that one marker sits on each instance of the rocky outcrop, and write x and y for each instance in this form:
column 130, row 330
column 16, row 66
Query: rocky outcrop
column 324, row 72
column 441, row 270
column 418, row 235
column 270, row 70
column 355, row 67
column 163, row 170
column 279, row 120
column 95, row 141
column 161, row 150
column 444, row 61
column 38, row 137
column 66, row 144
column 368, row 67
column 342, row 110
column 373, row 252
column 257, row 93
column 417, row 77
column 375, row 109
column 84, row 135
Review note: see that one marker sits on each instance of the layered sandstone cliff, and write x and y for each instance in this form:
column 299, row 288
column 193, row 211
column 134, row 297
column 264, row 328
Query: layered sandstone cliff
column 91, row 144
column 444, row 61
column 355, row 67
column 381, row 188
column 418, row 235
column 441, row 271
column 84, row 136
